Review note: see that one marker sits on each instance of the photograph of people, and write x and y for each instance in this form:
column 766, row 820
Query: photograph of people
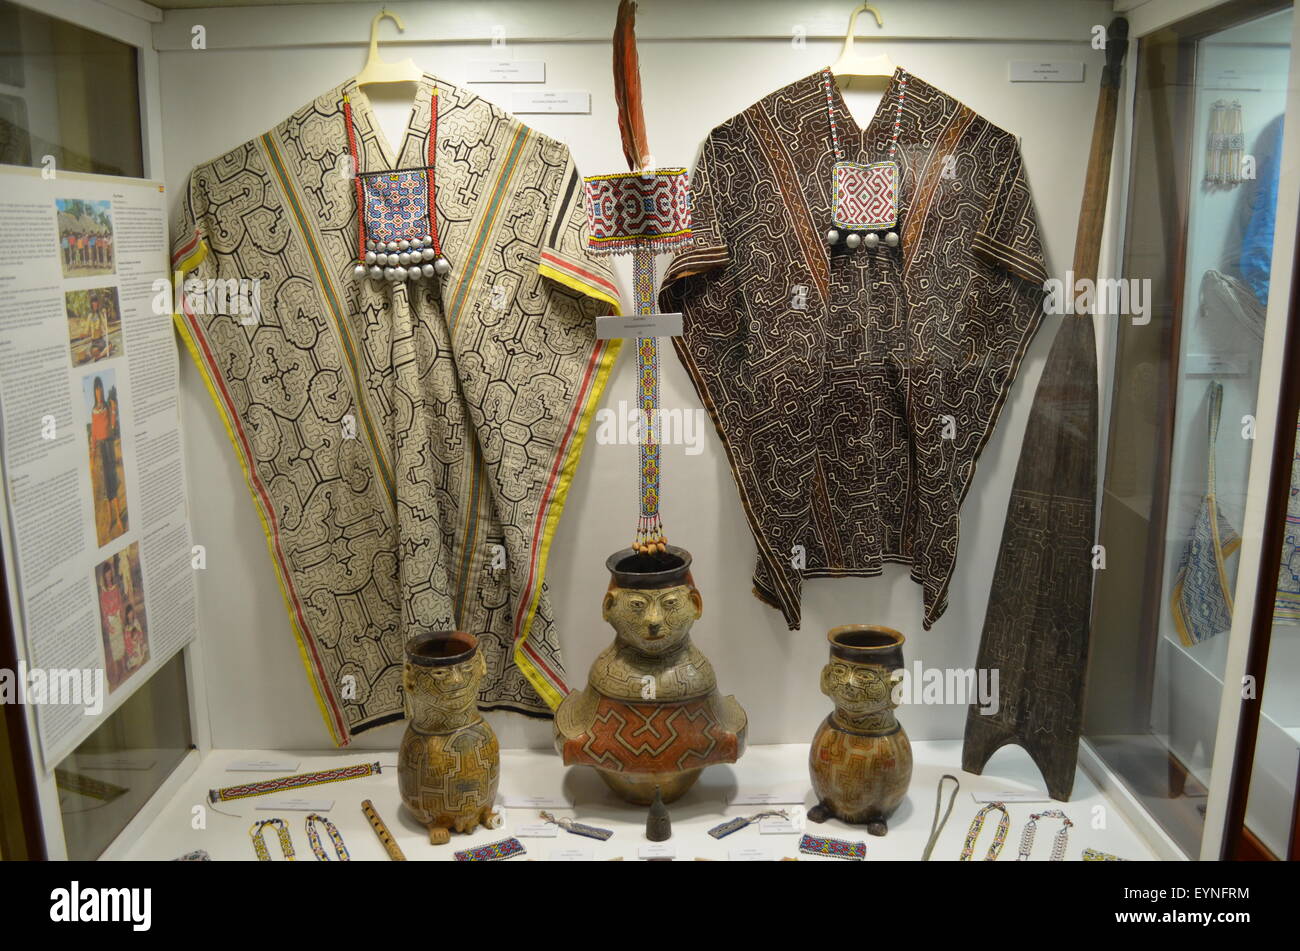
column 107, row 476
column 121, row 614
column 94, row 324
column 85, row 237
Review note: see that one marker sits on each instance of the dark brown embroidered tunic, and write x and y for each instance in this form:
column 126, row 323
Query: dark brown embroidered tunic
column 853, row 390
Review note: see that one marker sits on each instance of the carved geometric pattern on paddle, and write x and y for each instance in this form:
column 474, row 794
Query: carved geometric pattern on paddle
column 655, row 737
column 452, row 776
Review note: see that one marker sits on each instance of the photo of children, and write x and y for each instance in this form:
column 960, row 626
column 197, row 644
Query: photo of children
column 120, row 586
column 94, row 325
column 85, row 237
column 107, row 476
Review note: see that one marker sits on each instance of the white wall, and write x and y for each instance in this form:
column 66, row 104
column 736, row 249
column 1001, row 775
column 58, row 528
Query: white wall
column 257, row 69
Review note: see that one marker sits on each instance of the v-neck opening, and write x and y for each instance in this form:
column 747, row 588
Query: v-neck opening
column 863, row 135
column 391, row 159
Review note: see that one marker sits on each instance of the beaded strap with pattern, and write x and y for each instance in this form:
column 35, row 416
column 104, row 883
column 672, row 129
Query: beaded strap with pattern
column 1058, row 842
column 297, row 781
column 259, row 844
column 313, row 837
column 999, row 837
column 833, row 848
column 492, row 852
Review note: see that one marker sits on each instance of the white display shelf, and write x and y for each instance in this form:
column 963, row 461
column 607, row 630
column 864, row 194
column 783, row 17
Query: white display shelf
column 779, row 770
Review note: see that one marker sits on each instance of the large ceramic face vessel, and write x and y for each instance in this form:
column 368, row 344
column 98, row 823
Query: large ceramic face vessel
column 861, row 760
column 650, row 714
column 449, row 761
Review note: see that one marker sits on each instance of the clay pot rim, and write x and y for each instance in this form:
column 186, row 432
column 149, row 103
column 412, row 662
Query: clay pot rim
column 460, row 638
column 895, row 639
column 667, row 578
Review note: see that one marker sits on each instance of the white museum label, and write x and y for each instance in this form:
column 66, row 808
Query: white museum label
column 535, row 802
column 301, row 805
column 1217, row 364
column 767, row 798
column 571, row 855
column 264, row 766
column 1011, row 795
column 116, row 761
column 638, row 325
column 775, row 825
column 551, row 100
column 657, row 850
column 1033, row 71
column 537, row 830
column 506, row 71
column 750, row 855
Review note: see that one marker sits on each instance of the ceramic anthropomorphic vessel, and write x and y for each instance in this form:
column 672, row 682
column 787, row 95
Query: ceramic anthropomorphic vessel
column 861, row 760
column 449, row 762
column 650, row 715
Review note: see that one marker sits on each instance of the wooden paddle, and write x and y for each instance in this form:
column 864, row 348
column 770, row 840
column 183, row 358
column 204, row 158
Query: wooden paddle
column 1036, row 625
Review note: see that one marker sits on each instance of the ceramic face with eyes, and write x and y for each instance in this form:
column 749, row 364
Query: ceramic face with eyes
column 436, row 692
column 857, row 689
column 652, row 620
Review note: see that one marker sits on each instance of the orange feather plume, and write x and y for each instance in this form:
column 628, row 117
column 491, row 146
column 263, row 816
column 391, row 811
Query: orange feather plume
column 627, row 88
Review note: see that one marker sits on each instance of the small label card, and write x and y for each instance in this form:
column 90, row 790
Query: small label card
column 263, row 766
column 1032, row 71
column 638, row 325
column 766, row 797
column 1011, row 795
column 538, row 830
column 506, row 71
column 302, row 805
column 116, row 761
column 657, row 850
column 1217, row 364
column 775, row 825
column 571, row 855
column 536, row 802
column 750, row 855
column 551, row 100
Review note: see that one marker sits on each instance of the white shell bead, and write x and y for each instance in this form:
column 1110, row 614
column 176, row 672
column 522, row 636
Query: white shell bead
column 442, row 266
column 427, row 270
column 873, row 240
column 832, row 236
column 427, row 254
column 392, row 246
column 376, row 272
column 399, row 274
column 853, row 240
column 370, row 257
column 360, row 271
column 403, row 245
column 891, row 239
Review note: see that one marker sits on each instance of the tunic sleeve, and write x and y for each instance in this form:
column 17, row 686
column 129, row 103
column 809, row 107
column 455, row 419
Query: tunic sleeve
column 707, row 248
column 564, row 257
column 1009, row 237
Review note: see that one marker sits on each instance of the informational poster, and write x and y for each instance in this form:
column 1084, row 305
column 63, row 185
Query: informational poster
column 96, row 536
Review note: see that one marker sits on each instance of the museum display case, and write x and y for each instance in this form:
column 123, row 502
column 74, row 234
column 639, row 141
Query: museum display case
column 928, row 367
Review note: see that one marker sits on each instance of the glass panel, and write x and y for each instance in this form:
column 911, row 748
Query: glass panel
column 104, row 781
column 1206, row 152
column 68, row 93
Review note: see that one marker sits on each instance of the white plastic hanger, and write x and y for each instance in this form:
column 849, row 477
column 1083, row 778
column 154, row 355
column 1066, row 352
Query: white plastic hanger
column 378, row 71
column 852, row 64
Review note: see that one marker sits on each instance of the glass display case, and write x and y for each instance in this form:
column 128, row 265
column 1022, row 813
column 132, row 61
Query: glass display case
column 1193, row 399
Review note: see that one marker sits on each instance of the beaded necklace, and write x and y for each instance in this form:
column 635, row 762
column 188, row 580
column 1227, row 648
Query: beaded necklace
column 332, row 830
column 259, row 845
column 865, row 195
column 999, row 837
column 1058, row 843
column 397, row 216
